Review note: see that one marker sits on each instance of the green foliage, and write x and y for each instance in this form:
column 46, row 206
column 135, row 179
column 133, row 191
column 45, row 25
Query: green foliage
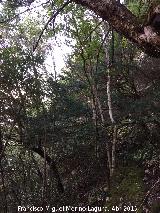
column 62, row 117
column 127, row 187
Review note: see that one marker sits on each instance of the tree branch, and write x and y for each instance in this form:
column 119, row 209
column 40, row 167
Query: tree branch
column 52, row 165
column 27, row 10
column 52, row 18
column 124, row 22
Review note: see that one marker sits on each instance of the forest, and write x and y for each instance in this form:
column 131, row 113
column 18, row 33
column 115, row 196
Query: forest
column 80, row 106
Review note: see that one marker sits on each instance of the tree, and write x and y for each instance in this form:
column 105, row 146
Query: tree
column 60, row 137
column 125, row 23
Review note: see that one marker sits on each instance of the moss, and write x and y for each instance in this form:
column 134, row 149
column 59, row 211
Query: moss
column 155, row 207
column 127, row 187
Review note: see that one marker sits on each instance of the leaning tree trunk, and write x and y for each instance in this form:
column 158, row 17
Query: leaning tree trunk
column 125, row 23
column 53, row 167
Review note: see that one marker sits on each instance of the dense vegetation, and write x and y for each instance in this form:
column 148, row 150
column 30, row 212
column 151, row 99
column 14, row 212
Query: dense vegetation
column 88, row 136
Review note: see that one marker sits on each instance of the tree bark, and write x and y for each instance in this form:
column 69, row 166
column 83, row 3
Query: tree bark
column 125, row 23
column 53, row 167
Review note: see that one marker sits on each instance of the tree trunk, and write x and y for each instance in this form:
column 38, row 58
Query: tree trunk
column 53, row 167
column 125, row 23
